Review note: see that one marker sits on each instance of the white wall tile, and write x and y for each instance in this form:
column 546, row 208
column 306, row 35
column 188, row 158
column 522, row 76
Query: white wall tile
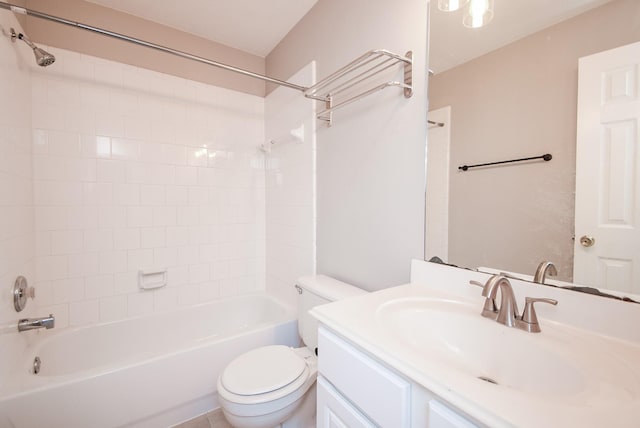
column 126, row 239
column 57, row 193
column 126, row 194
column 178, row 275
column 124, row 182
column 83, row 265
column 66, row 242
column 166, row 299
column 177, row 236
column 113, row 217
column 110, row 171
column 140, row 303
column 177, row 195
column 152, row 237
column 174, row 154
column 140, row 259
column 139, row 217
column 98, row 286
column 97, row 194
column 165, row 216
column 68, row 290
column 125, row 283
column 51, row 218
column 110, row 125
column 98, row 240
column 82, row 217
column 189, row 295
column 113, row 308
column 61, row 143
column 152, row 194
column 124, row 149
column 83, row 313
column 113, row 262
column 165, row 257
column 52, row 267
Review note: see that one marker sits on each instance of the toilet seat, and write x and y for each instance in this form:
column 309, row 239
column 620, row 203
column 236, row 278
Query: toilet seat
column 264, row 375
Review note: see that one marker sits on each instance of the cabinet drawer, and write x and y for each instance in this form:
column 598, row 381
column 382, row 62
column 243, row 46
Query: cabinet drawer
column 334, row 411
column 378, row 392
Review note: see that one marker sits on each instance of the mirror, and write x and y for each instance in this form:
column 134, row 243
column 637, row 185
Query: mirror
column 509, row 91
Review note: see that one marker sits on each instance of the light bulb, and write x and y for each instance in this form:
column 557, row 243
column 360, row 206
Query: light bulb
column 478, row 13
column 451, row 5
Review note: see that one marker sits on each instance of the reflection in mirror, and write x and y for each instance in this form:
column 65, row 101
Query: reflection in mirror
column 504, row 94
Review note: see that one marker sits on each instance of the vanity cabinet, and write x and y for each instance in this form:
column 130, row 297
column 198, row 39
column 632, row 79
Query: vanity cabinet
column 356, row 391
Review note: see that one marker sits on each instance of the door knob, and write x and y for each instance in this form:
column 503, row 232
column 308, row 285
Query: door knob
column 587, row 241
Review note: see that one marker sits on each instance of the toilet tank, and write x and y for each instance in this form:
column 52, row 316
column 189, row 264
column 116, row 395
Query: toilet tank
column 317, row 290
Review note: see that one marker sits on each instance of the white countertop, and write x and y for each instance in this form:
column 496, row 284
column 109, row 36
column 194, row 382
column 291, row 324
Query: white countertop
column 607, row 394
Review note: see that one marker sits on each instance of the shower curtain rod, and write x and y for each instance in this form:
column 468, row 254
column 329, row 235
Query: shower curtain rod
column 36, row 14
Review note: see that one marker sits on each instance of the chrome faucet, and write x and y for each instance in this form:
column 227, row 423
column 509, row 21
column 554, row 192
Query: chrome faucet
column 507, row 313
column 34, row 323
column 544, row 269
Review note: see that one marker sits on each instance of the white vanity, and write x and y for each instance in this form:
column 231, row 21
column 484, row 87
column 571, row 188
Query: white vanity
column 422, row 355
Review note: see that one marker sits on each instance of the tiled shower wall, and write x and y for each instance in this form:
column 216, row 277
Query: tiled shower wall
column 136, row 170
column 290, row 186
column 16, row 185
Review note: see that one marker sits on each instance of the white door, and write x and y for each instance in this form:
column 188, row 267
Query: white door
column 607, row 221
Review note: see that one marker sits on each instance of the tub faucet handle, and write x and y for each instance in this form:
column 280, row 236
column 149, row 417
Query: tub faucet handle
column 21, row 292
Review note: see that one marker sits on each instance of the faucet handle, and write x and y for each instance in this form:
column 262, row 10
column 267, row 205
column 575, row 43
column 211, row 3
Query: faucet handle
column 529, row 317
column 490, row 309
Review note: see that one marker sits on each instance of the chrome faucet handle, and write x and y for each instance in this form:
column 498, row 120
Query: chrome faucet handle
column 490, row 309
column 529, row 320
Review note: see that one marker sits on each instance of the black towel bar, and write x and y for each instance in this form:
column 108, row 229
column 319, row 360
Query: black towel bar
column 546, row 157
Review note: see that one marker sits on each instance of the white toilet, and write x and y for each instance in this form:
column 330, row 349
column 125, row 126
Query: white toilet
column 275, row 386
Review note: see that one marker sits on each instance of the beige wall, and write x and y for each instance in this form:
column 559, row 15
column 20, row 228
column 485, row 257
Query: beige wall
column 520, row 101
column 58, row 35
column 370, row 163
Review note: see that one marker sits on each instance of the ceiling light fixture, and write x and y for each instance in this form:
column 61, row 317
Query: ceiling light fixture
column 477, row 13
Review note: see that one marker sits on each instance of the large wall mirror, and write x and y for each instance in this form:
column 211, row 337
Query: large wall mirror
column 508, row 91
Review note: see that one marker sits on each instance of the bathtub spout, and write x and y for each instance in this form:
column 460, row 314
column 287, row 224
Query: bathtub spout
column 34, row 323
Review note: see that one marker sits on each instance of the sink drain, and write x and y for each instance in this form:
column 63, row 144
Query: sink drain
column 488, row 379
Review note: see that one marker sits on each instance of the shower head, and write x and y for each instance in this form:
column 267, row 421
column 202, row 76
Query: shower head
column 43, row 58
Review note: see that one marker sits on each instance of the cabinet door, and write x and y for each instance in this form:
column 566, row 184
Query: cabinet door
column 441, row 416
column 334, row 411
column 382, row 395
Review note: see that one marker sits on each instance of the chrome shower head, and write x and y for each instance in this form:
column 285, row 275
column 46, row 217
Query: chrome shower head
column 43, row 58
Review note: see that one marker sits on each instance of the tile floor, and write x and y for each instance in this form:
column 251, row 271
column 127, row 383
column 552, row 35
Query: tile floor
column 214, row 419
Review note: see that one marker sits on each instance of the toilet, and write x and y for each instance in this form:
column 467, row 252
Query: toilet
column 275, row 386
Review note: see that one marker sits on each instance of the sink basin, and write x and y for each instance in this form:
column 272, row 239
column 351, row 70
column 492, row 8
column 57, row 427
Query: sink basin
column 454, row 334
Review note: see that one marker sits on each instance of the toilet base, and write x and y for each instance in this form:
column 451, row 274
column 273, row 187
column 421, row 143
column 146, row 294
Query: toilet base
column 305, row 415
column 299, row 414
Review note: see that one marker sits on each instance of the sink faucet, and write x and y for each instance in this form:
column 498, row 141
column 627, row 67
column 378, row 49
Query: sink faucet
column 544, row 269
column 507, row 313
column 34, row 323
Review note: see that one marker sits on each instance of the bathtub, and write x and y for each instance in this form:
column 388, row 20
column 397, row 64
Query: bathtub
column 152, row 371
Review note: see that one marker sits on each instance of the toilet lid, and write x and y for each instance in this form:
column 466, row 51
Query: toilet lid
column 263, row 370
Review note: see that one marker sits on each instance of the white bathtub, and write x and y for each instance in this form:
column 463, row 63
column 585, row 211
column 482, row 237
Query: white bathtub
column 151, row 371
